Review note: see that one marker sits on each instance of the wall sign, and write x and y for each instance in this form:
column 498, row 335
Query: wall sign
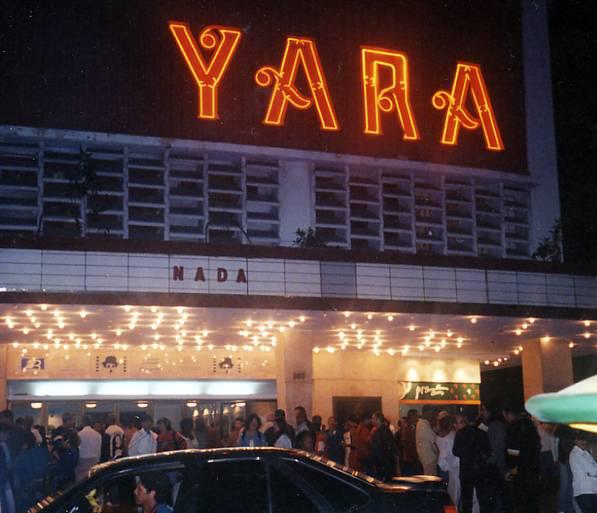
column 424, row 391
column 436, row 81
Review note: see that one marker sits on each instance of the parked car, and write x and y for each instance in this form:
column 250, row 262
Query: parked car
column 251, row 480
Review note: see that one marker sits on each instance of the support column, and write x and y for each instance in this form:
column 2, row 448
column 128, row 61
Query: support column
column 3, row 383
column 546, row 367
column 294, row 371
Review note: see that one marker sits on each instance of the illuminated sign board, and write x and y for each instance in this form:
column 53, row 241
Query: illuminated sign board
column 438, row 81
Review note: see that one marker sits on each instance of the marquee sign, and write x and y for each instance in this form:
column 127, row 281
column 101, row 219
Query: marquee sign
column 437, row 81
column 422, row 391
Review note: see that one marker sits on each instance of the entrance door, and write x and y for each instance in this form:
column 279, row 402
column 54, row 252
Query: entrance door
column 346, row 406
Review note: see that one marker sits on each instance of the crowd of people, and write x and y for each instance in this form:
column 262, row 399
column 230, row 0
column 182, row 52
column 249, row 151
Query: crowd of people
column 498, row 461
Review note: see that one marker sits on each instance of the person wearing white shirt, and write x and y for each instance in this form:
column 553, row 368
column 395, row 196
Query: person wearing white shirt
column 144, row 441
column 584, row 474
column 90, row 449
column 426, row 447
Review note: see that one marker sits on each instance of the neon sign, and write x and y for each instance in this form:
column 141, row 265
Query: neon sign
column 385, row 83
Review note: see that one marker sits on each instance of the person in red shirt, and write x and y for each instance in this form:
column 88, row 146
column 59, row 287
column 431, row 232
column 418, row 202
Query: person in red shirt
column 362, row 445
column 168, row 439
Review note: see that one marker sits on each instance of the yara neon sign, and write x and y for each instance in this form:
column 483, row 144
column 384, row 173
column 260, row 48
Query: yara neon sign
column 388, row 95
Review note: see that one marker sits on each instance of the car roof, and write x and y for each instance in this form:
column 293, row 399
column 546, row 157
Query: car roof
column 132, row 462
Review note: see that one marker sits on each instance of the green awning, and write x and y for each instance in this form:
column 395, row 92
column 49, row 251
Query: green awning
column 576, row 404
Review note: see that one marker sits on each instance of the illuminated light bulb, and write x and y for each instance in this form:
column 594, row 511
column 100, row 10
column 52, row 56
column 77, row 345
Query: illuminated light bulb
column 369, row 316
column 449, row 333
column 331, row 349
column 205, row 333
column 61, row 325
column 249, row 322
column 353, row 326
column 341, row 334
column 496, row 363
column 518, row 331
column 127, row 308
column 443, row 342
column 431, row 334
column 26, row 331
column 516, row 352
column 571, row 345
column 282, row 329
column 15, row 344
column 261, row 329
column 360, row 336
column 37, row 325
column 437, row 349
column 346, row 314
column 43, row 307
column 406, row 348
column 587, row 323
column 36, row 345
column 524, row 325
column 421, row 347
column 156, row 336
column 390, row 318
column 180, row 309
column 532, row 321
column 82, row 314
column 473, row 320
column 546, row 339
column 56, row 313
column 274, row 341
column 520, row 348
column 24, row 351
column 359, row 346
column 459, row 345
column 391, row 352
column 302, row 318
column 291, row 324
column 411, row 328
column 460, row 340
column 376, row 352
column 132, row 326
column 586, row 334
column 241, row 333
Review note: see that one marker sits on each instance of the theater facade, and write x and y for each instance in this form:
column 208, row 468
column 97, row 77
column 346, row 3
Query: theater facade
column 216, row 210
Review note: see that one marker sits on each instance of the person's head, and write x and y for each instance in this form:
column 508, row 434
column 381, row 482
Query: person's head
column 582, row 439
column 353, row 421
column 28, row 423
column 4, row 432
column 146, row 422
column 86, row 421
column 280, row 424
column 365, row 420
column 200, row 425
column 304, row 441
column 135, row 423
column 279, row 414
column 111, row 419
column 6, row 417
column 152, row 488
column 28, row 440
column 186, row 426
column 412, row 416
column 99, row 426
column 300, row 414
column 428, row 412
column 20, row 421
column 378, row 419
column 164, row 425
column 253, row 422
column 460, row 421
column 68, row 420
column 270, row 416
column 316, row 421
column 446, row 424
column 332, row 423
column 238, row 423
column 511, row 414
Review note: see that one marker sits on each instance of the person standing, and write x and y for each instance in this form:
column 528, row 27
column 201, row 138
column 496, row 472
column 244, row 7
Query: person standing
column 251, row 436
column 116, row 434
column 302, row 421
column 334, row 442
column 144, row 441
column 471, row 446
column 426, row 448
column 200, row 433
column 565, row 442
column 448, row 464
column 90, row 449
column 234, row 433
column 409, row 458
column 168, row 439
column 350, row 433
column 186, row 431
column 584, row 474
column 318, row 435
column 363, row 460
column 282, row 434
column 524, row 463
column 29, row 473
column 382, row 445
column 65, row 450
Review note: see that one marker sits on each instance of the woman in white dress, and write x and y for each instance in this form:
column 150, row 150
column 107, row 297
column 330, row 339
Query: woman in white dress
column 447, row 462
